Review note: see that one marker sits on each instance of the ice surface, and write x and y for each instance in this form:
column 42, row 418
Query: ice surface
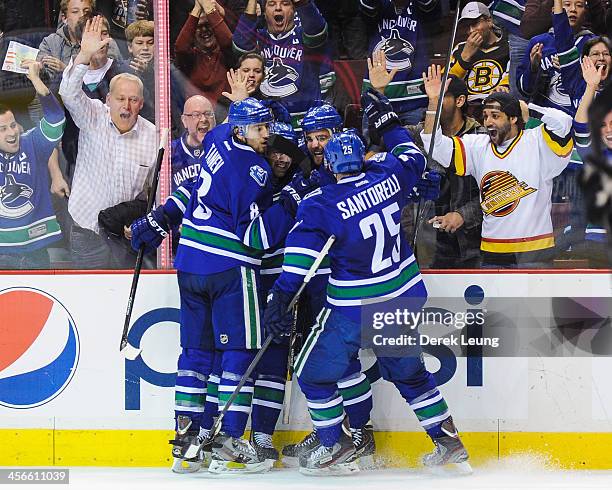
column 515, row 473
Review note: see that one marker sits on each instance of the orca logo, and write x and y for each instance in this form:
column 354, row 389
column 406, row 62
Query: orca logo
column 397, row 51
column 280, row 80
column 259, row 175
column 15, row 199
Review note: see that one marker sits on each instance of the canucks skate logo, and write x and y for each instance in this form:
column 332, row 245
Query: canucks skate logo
column 501, row 193
column 397, row 50
column 14, row 199
column 259, row 175
column 280, row 80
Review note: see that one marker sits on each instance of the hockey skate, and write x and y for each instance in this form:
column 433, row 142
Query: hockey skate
column 262, row 443
column 449, row 455
column 292, row 452
column 365, row 447
column 236, row 455
column 181, row 442
column 330, row 461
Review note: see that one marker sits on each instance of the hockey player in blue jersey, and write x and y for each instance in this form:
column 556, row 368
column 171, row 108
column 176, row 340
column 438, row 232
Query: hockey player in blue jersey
column 218, row 267
column 369, row 261
column 320, row 123
column 27, row 220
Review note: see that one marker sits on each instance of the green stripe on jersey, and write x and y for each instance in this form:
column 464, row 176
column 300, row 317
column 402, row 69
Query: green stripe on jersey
column 374, row 290
column 53, row 132
column 217, row 241
column 400, row 90
column 29, row 233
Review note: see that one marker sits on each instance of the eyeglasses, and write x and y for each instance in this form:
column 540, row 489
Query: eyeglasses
column 597, row 54
column 198, row 115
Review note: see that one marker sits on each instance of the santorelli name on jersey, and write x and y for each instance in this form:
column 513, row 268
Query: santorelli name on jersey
column 369, row 197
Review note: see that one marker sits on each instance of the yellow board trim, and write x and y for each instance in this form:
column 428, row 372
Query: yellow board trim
column 150, row 448
column 511, row 247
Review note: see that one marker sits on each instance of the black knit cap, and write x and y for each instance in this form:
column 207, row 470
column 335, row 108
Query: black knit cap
column 510, row 105
column 457, row 87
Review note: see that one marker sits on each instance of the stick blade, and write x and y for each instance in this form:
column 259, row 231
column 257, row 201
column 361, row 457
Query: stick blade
column 129, row 351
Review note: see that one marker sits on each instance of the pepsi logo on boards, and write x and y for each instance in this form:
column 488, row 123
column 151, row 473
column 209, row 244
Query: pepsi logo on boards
column 39, row 347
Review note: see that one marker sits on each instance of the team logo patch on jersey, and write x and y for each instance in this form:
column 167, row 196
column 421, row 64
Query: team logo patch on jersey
column 280, row 80
column 501, row 193
column 484, row 76
column 259, row 175
column 15, row 198
column 223, row 338
column 397, row 50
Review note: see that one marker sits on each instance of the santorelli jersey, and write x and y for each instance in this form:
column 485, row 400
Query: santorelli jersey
column 27, row 218
column 369, row 260
column 515, row 179
column 232, row 189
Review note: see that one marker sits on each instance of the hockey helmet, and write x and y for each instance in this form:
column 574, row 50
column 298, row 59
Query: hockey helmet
column 285, row 130
column 323, row 116
column 248, row 111
column 344, row 152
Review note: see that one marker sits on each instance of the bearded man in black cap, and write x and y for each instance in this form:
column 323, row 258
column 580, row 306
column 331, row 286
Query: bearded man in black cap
column 514, row 168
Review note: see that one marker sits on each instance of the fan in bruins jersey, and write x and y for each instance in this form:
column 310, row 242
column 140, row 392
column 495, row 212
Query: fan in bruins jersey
column 483, row 59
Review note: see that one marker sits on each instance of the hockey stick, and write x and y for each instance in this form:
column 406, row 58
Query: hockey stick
column 129, row 351
column 423, row 207
column 289, row 377
column 193, row 449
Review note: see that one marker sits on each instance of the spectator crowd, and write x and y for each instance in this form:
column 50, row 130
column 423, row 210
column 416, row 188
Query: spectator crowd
column 72, row 182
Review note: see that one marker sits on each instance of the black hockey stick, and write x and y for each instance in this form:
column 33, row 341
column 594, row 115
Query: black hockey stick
column 129, row 351
column 195, row 446
column 423, row 207
column 289, row 376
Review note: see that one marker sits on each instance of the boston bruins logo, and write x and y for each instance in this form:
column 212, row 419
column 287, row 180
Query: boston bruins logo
column 397, row 50
column 484, row 76
column 501, row 193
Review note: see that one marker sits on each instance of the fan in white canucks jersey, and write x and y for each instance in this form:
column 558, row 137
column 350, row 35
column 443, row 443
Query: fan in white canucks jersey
column 218, row 269
column 27, row 220
column 369, row 261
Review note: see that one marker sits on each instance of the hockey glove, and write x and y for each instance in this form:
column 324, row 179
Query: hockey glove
column 379, row 111
column 292, row 194
column 277, row 320
column 279, row 111
column 150, row 230
column 427, row 187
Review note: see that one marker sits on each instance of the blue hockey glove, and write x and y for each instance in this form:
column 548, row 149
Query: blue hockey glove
column 277, row 320
column 379, row 111
column 150, row 230
column 292, row 194
column 427, row 187
column 279, row 111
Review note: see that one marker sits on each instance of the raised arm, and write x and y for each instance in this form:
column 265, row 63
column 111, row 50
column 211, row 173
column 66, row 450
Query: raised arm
column 83, row 110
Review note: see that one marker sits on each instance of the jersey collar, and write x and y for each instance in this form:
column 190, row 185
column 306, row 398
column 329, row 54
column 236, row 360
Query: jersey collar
column 354, row 178
column 504, row 153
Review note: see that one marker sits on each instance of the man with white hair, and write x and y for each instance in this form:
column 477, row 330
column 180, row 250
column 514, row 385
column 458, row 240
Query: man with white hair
column 117, row 149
